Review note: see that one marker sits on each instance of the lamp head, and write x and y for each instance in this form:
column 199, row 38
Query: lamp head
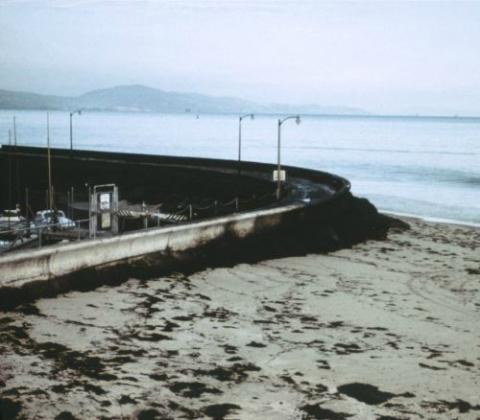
column 247, row 115
column 297, row 119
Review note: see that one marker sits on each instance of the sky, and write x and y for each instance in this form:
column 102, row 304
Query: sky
column 385, row 57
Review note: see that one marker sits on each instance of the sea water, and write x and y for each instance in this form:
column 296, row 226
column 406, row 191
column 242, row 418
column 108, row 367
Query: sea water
column 427, row 167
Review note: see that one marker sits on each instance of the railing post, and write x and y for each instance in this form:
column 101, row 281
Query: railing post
column 27, row 216
column 71, row 203
column 68, row 205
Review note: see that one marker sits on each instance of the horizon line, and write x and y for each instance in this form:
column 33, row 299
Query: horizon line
column 362, row 112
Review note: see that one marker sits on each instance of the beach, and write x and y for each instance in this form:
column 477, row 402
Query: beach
column 388, row 329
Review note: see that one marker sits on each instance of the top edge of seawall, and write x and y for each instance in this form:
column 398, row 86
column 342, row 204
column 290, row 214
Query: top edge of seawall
column 248, row 168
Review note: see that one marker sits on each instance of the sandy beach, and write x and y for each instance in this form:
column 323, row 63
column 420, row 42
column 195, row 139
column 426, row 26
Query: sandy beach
column 385, row 330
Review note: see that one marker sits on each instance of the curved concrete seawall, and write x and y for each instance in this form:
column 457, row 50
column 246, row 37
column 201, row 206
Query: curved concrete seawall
column 20, row 268
column 317, row 213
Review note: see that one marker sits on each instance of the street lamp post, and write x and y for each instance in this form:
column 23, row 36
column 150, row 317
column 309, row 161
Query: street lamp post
column 240, row 138
column 79, row 112
column 280, row 122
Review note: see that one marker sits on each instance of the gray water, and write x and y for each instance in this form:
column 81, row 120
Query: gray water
column 428, row 167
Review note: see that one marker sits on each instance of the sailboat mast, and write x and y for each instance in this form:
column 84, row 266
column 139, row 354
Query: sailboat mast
column 50, row 198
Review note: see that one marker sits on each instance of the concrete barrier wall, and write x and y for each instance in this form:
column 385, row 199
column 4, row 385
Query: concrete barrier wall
column 19, row 269
column 97, row 167
column 26, row 275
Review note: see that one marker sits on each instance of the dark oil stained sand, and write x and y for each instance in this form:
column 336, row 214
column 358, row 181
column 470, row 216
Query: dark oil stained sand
column 192, row 389
column 316, row 412
column 219, row 411
column 237, row 372
column 66, row 415
column 9, row 408
column 460, row 405
column 150, row 414
column 255, row 344
column 369, row 394
column 180, row 346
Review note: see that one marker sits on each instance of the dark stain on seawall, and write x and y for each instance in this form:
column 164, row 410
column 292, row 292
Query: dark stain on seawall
column 155, row 179
column 337, row 224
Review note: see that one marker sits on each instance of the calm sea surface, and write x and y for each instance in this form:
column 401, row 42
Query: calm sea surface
column 421, row 166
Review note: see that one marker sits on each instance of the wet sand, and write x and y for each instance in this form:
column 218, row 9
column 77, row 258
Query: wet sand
column 385, row 330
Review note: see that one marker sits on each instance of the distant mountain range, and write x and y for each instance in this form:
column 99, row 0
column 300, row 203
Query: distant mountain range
column 139, row 98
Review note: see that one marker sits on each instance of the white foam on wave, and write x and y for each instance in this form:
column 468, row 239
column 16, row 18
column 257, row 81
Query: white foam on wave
column 431, row 219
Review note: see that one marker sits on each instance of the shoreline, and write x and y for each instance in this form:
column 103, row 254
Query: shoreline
column 428, row 219
column 268, row 114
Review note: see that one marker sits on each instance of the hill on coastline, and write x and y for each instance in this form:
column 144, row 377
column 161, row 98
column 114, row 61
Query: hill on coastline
column 145, row 99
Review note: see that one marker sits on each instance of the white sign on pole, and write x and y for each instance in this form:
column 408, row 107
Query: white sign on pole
column 105, row 201
column 106, row 221
column 283, row 175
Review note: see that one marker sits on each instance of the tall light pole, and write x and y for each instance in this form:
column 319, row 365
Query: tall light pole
column 14, row 130
column 240, row 138
column 49, row 164
column 280, row 122
column 17, row 171
column 79, row 112
column 9, row 171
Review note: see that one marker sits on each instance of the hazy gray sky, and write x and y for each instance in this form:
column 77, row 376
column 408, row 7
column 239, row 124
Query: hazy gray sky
column 386, row 57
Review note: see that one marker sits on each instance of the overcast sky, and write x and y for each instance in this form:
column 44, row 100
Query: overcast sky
column 385, row 57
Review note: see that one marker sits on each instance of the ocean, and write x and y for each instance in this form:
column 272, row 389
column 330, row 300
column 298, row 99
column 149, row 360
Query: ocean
column 421, row 166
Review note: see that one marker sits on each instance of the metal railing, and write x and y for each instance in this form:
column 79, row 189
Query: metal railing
column 37, row 235
column 16, row 237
